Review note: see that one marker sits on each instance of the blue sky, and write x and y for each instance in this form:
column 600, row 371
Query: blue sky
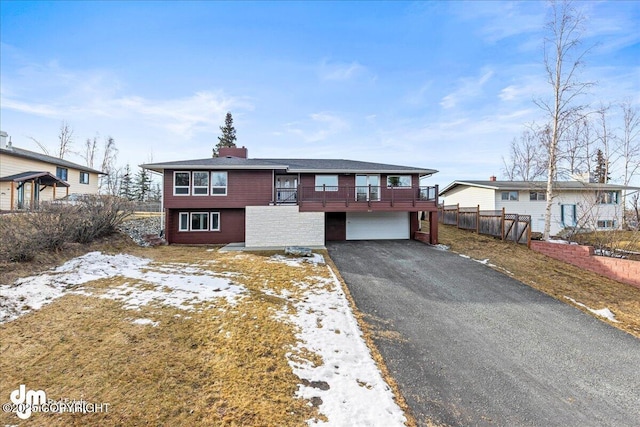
column 442, row 85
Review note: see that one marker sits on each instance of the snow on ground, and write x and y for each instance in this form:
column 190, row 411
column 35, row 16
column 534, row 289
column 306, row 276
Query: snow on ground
column 604, row 312
column 178, row 285
column 349, row 384
column 347, row 387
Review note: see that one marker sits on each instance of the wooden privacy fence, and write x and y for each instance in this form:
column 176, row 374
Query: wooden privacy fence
column 513, row 227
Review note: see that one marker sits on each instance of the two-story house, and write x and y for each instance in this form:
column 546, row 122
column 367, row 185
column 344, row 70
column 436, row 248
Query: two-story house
column 585, row 205
column 291, row 202
column 27, row 177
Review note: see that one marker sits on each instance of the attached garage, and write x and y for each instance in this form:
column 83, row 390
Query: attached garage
column 377, row 225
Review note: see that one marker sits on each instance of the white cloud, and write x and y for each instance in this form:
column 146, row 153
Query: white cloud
column 319, row 127
column 341, row 71
column 468, row 88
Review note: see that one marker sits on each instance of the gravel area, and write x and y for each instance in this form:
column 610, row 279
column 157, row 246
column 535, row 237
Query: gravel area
column 138, row 228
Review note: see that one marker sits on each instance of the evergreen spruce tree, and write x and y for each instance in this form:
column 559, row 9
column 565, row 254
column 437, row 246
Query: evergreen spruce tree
column 601, row 172
column 142, row 185
column 126, row 184
column 228, row 137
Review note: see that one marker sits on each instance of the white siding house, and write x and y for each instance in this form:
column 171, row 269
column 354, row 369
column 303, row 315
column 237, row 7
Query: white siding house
column 27, row 177
column 575, row 204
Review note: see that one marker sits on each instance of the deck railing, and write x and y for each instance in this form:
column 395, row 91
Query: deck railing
column 348, row 194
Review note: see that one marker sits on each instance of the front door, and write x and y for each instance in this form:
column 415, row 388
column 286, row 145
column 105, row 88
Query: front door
column 286, row 188
column 367, row 187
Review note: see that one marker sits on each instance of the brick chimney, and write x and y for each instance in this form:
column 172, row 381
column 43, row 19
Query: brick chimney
column 240, row 152
column 492, row 178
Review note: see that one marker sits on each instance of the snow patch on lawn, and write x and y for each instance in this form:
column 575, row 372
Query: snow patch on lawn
column 604, row 312
column 348, row 386
column 179, row 285
column 314, row 259
column 145, row 322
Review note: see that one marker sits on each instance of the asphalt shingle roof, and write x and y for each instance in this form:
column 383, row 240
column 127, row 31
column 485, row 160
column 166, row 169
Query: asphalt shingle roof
column 536, row 185
column 19, row 152
column 291, row 165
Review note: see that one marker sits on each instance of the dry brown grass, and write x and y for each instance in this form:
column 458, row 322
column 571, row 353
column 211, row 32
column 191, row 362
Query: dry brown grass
column 550, row 276
column 223, row 365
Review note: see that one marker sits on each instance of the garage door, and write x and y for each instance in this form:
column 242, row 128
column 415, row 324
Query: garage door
column 377, row 225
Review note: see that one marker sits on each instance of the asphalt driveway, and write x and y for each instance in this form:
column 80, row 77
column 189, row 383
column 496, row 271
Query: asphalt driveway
column 470, row 346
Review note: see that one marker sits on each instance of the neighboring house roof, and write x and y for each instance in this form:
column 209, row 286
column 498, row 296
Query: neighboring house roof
column 31, row 155
column 46, row 178
column 290, row 165
column 536, row 185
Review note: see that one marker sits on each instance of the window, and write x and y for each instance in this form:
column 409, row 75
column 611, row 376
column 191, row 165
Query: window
column 607, row 197
column 606, row 223
column 537, row 195
column 62, row 173
column 184, row 221
column 510, row 195
column 200, row 183
column 84, row 177
column 327, row 182
column 398, row 181
column 215, row 221
column 181, row 183
column 199, row 221
column 219, row 183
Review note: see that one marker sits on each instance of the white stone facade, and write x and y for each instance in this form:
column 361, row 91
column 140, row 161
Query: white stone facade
column 282, row 225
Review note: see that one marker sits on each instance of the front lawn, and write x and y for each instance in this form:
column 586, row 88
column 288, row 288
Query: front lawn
column 191, row 336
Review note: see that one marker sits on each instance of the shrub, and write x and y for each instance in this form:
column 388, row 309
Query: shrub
column 24, row 235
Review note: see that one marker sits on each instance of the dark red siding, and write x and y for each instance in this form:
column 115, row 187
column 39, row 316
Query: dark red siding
column 231, row 228
column 244, row 188
column 335, row 226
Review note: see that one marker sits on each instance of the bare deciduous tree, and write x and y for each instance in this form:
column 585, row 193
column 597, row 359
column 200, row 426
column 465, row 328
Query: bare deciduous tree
column 90, row 151
column 65, row 139
column 109, row 181
column 629, row 149
column 562, row 61
column 526, row 155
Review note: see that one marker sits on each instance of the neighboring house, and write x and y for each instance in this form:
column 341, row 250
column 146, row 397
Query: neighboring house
column 283, row 202
column 28, row 178
column 575, row 204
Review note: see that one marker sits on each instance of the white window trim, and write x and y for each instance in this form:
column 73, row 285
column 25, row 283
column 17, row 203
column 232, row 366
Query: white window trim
column 83, row 173
column 191, row 214
column 194, row 186
column 509, row 199
column 399, row 186
column 188, row 187
column 211, row 221
column 226, row 187
column 180, row 221
column 328, row 187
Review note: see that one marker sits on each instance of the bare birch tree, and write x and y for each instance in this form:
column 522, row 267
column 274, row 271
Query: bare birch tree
column 90, row 151
column 65, row 139
column 526, row 158
column 562, row 61
column 629, row 148
column 109, row 181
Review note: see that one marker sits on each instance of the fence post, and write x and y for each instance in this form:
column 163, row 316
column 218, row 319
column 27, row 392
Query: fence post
column 529, row 233
column 478, row 220
column 458, row 215
column 515, row 228
column 502, row 224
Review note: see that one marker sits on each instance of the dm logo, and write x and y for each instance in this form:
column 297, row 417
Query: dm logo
column 26, row 400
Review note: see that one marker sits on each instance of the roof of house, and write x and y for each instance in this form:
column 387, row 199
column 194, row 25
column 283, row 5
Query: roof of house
column 32, row 155
column 535, row 185
column 290, row 165
column 46, row 178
